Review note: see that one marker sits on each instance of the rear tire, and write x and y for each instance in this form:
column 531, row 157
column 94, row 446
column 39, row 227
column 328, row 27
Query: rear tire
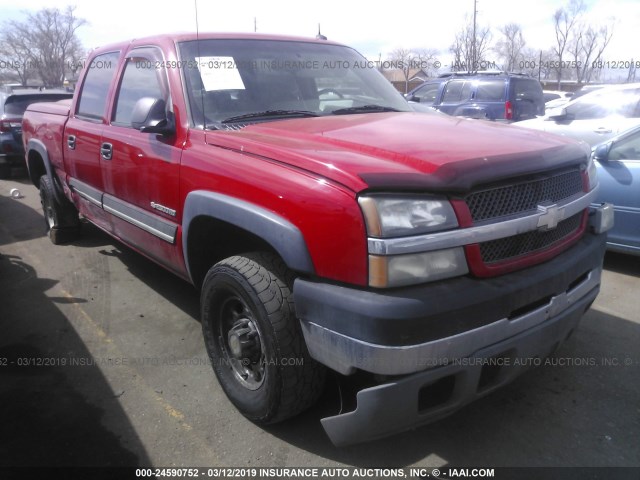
column 254, row 339
column 61, row 219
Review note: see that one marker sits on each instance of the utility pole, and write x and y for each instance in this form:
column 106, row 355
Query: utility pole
column 473, row 44
column 255, row 24
column 631, row 77
column 540, row 66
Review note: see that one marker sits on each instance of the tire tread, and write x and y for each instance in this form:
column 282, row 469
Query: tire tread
column 272, row 281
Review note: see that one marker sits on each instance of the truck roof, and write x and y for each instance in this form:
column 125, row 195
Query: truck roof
column 172, row 38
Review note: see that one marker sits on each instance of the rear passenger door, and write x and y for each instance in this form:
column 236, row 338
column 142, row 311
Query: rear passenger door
column 142, row 170
column 489, row 97
column 82, row 134
column 455, row 97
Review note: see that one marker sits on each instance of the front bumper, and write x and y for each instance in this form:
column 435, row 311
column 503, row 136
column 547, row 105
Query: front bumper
column 408, row 330
column 433, row 394
column 441, row 336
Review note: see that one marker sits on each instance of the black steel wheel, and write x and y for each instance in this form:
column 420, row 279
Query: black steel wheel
column 254, row 340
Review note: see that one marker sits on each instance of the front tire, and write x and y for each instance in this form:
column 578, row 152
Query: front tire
column 254, row 339
column 61, row 219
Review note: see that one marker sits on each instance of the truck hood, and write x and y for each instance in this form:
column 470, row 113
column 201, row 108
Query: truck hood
column 404, row 150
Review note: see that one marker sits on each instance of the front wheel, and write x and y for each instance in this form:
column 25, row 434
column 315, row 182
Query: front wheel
column 254, row 340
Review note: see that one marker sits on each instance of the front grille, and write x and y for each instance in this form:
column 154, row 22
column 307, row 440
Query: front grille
column 524, row 196
column 528, row 242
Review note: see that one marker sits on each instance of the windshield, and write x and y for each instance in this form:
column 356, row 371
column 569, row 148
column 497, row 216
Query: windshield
column 257, row 80
column 603, row 103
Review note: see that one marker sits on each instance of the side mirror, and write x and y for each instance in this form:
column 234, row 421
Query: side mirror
column 601, row 152
column 558, row 114
column 150, row 116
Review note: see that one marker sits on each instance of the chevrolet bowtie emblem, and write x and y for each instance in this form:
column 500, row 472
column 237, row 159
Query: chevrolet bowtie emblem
column 550, row 216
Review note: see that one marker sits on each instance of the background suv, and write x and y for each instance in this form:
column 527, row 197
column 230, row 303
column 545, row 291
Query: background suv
column 13, row 103
column 489, row 95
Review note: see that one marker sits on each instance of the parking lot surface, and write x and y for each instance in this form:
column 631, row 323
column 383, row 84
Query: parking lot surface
column 105, row 366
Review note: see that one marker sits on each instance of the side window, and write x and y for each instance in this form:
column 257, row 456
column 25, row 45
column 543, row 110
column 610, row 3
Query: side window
column 428, row 93
column 593, row 107
column 490, row 91
column 457, row 91
column 627, row 149
column 141, row 79
column 95, row 89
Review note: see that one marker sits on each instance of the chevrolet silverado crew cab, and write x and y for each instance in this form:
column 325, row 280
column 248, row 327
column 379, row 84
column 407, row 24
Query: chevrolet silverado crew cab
column 326, row 225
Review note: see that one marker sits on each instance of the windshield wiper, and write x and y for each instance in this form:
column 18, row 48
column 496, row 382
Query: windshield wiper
column 364, row 109
column 271, row 114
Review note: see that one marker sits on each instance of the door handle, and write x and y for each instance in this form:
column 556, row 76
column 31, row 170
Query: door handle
column 106, row 150
column 71, row 142
column 603, row 130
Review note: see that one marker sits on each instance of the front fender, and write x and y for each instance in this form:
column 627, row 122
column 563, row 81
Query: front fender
column 282, row 235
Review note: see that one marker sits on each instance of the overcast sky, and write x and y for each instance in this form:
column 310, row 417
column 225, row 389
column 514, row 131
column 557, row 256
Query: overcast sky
column 372, row 28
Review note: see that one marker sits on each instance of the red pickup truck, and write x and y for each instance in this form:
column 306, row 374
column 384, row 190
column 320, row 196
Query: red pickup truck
column 425, row 258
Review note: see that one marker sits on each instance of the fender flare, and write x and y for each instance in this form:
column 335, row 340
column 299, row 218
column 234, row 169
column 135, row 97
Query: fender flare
column 38, row 146
column 282, row 235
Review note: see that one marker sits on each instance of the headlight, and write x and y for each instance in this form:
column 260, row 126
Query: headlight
column 592, row 174
column 388, row 216
column 401, row 270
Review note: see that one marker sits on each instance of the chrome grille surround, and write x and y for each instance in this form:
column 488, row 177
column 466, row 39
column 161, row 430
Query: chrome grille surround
column 490, row 204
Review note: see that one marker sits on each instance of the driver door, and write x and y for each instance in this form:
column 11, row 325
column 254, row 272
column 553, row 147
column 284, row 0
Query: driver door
column 141, row 173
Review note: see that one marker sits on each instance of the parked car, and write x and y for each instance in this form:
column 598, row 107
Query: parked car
column 489, row 95
column 13, row 103
column 594, row 117
column 556, row 98
column 618, row 164
column 586, row 89
column 550, row 95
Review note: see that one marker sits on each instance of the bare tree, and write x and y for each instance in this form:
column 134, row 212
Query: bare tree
column 510, row 46
column 410, row 61
column 565, row 20
column 401, row 57
column 47, row 40
column 631, row 76
column 16, row 57
column 465, row 56
column 586, row 50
